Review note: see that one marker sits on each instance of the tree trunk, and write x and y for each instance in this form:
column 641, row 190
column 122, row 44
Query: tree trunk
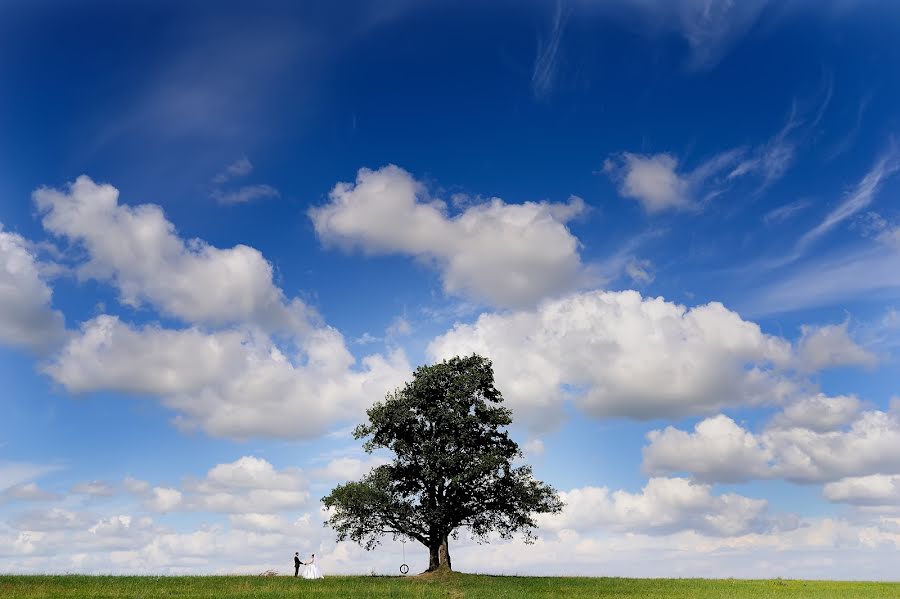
column 444, row 554
column 434, row 558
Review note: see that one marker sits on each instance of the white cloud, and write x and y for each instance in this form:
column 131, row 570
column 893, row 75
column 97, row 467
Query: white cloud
column 249, row 486
column 656, row 182
column 249, row 472
column 163, row 499
column 239, row 168
column 136, row 486
column 772, row 159
column 891, row 237
column 245, row 194
column 821, row 548
column 505, row 254
column 841, row 275
column 140, row 252
column 533, row 448
column 52, row 519
column 819, row 413
column 717, row 451
column 872, row 490
column 651, row 180
column 710, row 28
column 26, row 492
column 259, row 522
column 785, row 212
column 546, row 63
column 346, row 468
column 399, row 327
column 640, row 271
column 720, row 450
column 671, row 527
column 829, row 346
column 871, row 445
column 664, row 506
column 96, row 488
column 26, row 318
column 857, row 199
column 13, row 474
column 232, row 383
column 618, row 354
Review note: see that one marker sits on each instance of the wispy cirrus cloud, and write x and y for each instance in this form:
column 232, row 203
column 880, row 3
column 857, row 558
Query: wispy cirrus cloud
column 243, row 193
column 785, row 212
column 239, row 168
column 860, row 197
column 546, row 63
column 709, row 28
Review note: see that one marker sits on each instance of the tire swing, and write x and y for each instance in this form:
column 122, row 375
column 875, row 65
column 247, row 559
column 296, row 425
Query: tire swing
column 404, row 569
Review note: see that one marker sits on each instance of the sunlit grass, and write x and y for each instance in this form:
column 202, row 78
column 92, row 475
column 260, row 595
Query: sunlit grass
column 454, row 586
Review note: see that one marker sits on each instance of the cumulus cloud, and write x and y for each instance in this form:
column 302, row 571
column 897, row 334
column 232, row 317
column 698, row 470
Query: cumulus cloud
column 870, row 445
column 663, row 506
column 504, row 254
column 258, row 522
column 720, row 450
column 829, row 346
column 656, row 182
column 248, row 486
column 821, row 548
column 52, row 519
column 819, row 413
column 872, row 490
column 671, row 526
column 717, row 451
column 347, row 468
column 620, row 354
column 26, row 492
column 139, row 251
column 651, row 180
column 163, row 499
column 232, row 383
column 26, row 317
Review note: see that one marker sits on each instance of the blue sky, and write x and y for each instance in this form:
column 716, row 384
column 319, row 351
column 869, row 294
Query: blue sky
column 672, row 226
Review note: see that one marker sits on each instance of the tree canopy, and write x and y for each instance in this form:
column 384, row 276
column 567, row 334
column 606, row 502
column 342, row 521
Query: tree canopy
column 452, row 468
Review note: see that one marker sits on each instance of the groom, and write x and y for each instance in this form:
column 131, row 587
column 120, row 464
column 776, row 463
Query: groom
column 297, row 563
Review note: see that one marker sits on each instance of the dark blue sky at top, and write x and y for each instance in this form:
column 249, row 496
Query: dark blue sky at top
column 156, row 98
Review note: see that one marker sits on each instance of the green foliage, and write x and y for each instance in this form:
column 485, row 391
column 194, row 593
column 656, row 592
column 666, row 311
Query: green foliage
column 452, row 467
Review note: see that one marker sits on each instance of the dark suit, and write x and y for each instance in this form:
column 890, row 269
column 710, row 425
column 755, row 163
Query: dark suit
column 296, row 566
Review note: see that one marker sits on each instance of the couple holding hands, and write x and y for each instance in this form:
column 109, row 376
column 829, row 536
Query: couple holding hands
column 311, row 571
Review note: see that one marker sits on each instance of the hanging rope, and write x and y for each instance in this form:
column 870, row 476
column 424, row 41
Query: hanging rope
column 403, row 567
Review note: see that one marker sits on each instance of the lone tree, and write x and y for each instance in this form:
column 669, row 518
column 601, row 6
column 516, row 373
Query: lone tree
column 453, row 466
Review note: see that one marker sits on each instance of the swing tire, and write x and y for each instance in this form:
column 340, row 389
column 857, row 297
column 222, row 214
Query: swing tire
column 404, row 569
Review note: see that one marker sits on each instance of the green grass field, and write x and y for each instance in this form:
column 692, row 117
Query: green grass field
column 455, row 586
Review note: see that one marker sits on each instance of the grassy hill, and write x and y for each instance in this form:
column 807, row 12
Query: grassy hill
column 455, row 586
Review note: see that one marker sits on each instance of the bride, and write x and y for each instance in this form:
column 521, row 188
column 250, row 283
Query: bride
column 312, row 569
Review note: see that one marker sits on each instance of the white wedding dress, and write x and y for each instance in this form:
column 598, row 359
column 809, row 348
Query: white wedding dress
column 312, row 570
